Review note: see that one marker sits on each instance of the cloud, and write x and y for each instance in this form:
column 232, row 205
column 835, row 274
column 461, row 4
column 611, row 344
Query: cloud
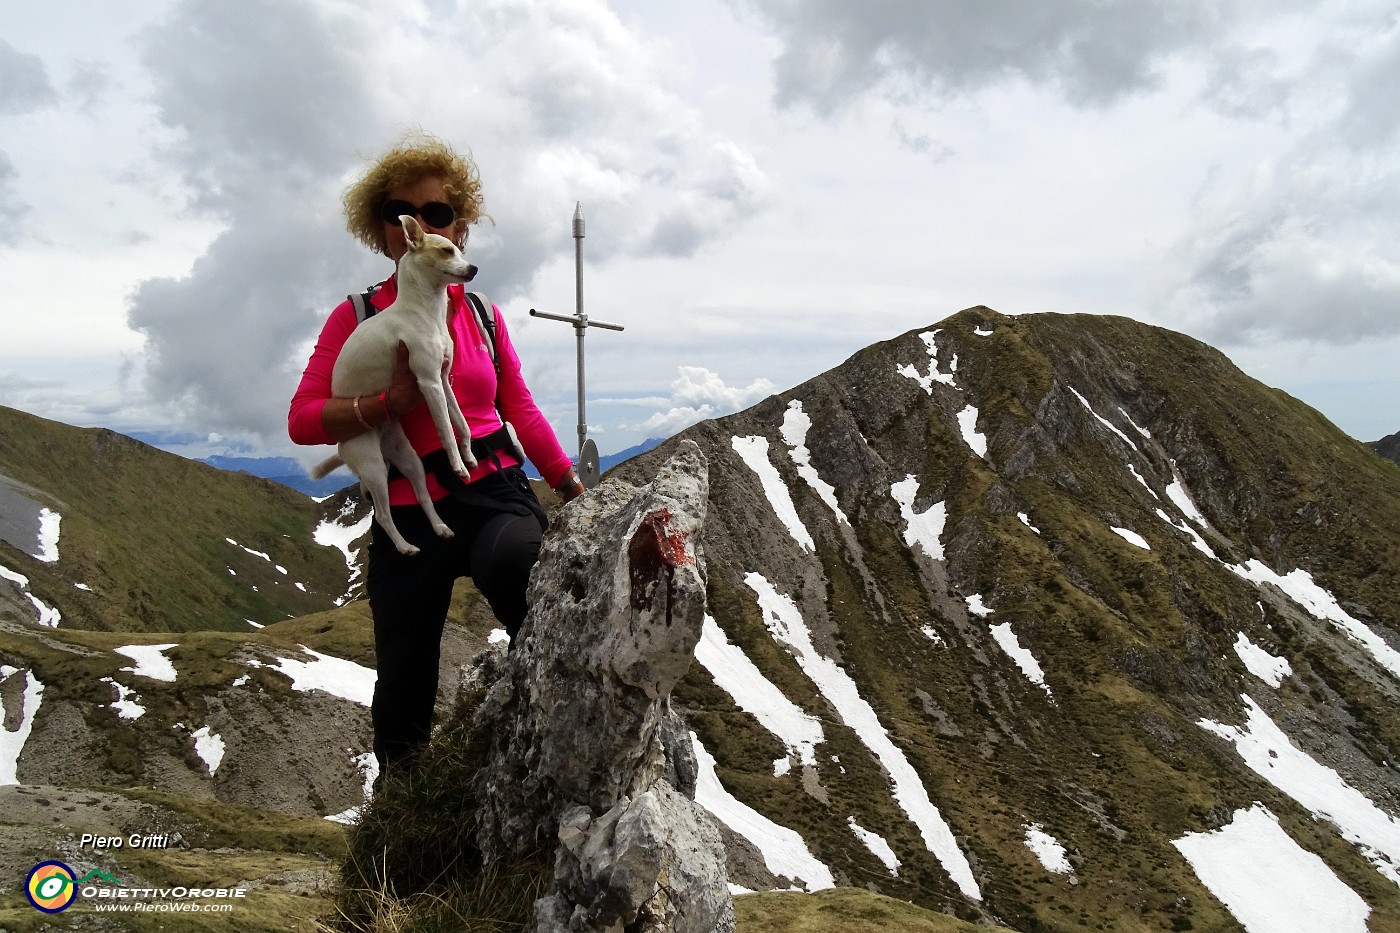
column 1304, row 244
column 261, row 147
column 90, row 82
column 273, row 107
column 1280, row 274
column 587, row 106
column 697, row 394
column 24, row 82
column 12, row 209
column 263, row 95
column 834, row 52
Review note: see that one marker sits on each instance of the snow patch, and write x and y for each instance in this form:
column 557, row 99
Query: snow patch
column 47, row 615
column 967, row 424
column 1269, row 882
column 1300, row 588
column 1137, row 427
column 1260, row 663
column 754, row 452
column 1132, row 468
column 1177, row 493
column 48, row 536
column 1197, row 541
column 12, row 743
column 785, row 622
column 1026, row 520
column 784, row 851
column 756, row 695
column 369, row 767
column 331, row 533
column 209, row 746
column 1132, row 537
column 922, row 528
column 796, row 424
column 1048, row 850
column 977, row 607
column 150, row 661
column 927, row 380
column 336, row 676
column 1104, row 421
column 124, row 705
column 249, row 550
column 1268, row 752
column 878, row 846
column 1026, row 661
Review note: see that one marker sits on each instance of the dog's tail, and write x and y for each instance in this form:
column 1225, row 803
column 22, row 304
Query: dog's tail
column 320, row 470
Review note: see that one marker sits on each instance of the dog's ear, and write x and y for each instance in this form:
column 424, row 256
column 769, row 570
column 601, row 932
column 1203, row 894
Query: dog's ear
column 412, row 231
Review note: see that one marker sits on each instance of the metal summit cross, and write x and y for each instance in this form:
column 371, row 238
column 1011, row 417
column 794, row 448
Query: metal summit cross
column 589, row 472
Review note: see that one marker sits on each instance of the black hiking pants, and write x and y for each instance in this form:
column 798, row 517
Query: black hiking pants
column 498, row 527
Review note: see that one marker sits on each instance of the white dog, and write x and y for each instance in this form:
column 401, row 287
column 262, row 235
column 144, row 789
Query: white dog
column 418, row 317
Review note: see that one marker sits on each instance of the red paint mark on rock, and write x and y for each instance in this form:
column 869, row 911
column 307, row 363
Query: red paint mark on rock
column 654, row 552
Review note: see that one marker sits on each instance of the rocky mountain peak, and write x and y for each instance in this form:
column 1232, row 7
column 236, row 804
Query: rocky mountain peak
column 1020, row 575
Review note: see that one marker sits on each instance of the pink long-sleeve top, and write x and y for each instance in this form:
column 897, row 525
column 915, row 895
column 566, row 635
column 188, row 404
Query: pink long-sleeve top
column 474, row 383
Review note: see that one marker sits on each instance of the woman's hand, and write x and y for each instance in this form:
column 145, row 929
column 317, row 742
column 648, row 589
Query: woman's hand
column 570, row 487
column 403, row 393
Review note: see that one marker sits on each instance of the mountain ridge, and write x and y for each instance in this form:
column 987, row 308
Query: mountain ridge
column 1089, row 424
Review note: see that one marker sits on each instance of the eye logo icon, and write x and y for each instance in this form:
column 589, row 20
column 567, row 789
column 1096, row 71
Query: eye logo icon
column 50, row 887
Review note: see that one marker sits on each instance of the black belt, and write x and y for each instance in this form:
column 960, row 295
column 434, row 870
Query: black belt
column 483, row 448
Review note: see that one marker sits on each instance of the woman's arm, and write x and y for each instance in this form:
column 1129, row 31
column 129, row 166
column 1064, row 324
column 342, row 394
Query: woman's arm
column 318, row 417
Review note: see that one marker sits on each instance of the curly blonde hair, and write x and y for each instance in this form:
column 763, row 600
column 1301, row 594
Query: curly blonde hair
column 418, row 156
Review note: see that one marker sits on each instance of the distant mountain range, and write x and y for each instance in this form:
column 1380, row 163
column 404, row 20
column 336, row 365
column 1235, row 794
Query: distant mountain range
column 1057, row 622
column 289, row 472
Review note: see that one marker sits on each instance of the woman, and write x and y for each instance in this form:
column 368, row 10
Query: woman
column 496, row 519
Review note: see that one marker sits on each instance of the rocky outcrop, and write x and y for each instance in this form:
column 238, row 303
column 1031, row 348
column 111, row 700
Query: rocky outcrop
column 586, row 752
column 1388, row 447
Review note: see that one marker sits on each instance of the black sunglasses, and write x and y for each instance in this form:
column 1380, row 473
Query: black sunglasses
column 434, row 213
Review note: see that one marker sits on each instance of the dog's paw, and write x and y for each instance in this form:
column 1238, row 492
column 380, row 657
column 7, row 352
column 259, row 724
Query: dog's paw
column 442, row 531
column 407, row 550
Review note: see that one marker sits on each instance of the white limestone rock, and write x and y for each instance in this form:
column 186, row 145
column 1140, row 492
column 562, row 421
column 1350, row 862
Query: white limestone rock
column 583, row 737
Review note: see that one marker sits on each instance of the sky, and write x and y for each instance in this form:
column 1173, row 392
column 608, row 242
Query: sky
column 768, row 186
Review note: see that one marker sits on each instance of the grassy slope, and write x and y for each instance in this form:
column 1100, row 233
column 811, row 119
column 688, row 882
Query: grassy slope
column 842, row 910
column 284, row 863
column 147, row 532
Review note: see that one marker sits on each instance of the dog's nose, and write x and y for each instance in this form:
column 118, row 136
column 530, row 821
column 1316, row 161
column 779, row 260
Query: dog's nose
column 471, row 273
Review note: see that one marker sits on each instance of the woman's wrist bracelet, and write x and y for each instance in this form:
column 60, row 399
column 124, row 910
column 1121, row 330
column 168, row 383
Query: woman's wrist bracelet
column 359, row 415
column 384, row 400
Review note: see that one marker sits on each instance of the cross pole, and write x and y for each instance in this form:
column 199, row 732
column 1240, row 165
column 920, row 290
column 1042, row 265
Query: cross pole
column 587, row 465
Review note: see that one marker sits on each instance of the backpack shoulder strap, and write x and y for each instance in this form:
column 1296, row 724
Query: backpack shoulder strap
column 486, row 320
column 364, row 308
